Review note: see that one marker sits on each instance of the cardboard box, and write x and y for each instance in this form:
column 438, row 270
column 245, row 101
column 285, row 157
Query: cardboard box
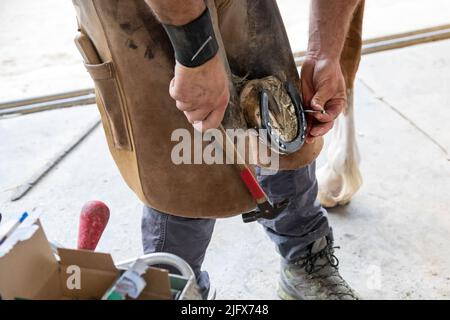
column 31, row 270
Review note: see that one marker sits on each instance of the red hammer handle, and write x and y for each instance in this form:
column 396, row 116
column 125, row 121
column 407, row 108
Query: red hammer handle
column 93, row 220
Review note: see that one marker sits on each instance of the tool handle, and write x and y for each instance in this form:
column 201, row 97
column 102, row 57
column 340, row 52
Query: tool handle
column 93, row 220
column 245, row 172
column 253, row 185
column 87, row 49
column 161, row 258
column 240, row 160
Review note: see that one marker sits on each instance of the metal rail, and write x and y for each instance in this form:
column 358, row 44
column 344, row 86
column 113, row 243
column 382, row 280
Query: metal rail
column 395, row 41
column 21, row 190
column 51, row 102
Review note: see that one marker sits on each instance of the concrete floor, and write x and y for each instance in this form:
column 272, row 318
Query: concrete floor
column 393, row 235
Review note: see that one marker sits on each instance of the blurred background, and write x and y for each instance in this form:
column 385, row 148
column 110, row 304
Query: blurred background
column 394, row 234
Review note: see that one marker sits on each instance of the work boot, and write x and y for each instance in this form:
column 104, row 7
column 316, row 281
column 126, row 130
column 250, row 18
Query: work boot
column 314, row 276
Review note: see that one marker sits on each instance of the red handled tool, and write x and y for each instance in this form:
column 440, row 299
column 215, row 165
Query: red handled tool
column 265, row 209
column 93, row 220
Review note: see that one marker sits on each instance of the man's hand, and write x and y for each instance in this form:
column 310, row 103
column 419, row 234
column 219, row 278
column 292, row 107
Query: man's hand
column 323, row 88
column 202, row 93
column 323, row 85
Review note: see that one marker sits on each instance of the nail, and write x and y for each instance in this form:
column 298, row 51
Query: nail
column 315, row 111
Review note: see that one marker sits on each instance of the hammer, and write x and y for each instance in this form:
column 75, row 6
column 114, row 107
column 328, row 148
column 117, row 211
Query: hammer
column 265, row 208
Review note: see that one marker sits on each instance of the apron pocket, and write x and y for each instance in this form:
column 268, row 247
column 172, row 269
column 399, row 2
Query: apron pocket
column 110, row 99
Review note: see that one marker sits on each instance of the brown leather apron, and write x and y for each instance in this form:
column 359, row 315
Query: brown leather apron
column 131, row 62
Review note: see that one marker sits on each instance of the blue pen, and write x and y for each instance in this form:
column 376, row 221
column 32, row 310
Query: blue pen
column 14, row 227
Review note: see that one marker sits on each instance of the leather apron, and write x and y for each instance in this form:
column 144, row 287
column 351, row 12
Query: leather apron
column 131, row 61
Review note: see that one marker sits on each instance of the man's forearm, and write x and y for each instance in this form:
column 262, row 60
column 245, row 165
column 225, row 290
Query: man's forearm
column 176, row 12
column 329, row 23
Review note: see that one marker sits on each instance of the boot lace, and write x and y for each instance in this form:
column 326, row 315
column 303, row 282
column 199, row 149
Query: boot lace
column 310, row 262
column 327, row 258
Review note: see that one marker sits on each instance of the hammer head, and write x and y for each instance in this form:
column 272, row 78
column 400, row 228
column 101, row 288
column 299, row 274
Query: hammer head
column 265, row 210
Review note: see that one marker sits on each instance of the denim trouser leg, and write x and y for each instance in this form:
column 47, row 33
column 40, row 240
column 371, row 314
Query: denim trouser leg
column 304, row 220
column 184, row 237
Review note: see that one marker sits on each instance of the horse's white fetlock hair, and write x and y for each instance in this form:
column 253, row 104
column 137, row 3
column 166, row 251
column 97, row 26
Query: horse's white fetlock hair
column 341, row 178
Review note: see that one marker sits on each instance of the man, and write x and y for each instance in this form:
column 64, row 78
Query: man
column 253, row 37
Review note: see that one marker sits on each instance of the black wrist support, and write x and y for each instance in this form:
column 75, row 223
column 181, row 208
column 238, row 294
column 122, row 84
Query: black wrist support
column 194, row 43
